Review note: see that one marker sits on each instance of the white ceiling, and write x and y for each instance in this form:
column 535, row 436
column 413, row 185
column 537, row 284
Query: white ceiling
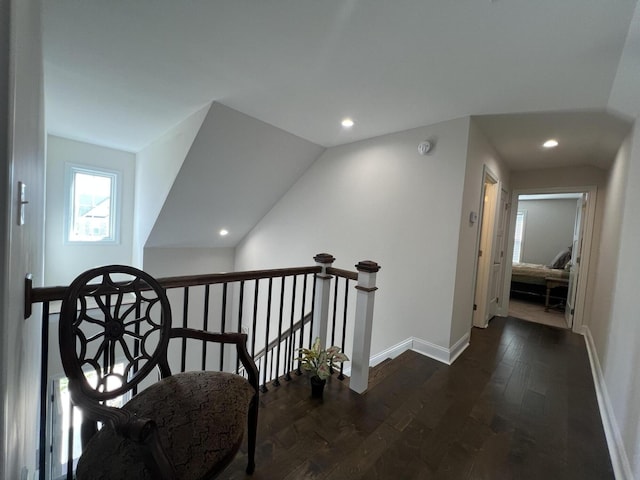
column 584, row 138
column 121, row 73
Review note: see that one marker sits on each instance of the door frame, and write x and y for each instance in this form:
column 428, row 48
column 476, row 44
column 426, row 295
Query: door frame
column 486, row 226
column 585, row 263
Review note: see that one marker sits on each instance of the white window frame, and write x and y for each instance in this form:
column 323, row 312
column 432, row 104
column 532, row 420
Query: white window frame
column 114, row 221
column 515, row 236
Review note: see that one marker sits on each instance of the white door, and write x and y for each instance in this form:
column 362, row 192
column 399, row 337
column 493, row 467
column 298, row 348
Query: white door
column 496, row 278
column 481, row 312
column 576, row 252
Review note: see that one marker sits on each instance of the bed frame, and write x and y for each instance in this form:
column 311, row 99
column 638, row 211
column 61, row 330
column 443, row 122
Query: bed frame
column 537, row 282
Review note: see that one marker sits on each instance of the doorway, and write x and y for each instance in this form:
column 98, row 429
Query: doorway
column 490, row 252
column 550, row 243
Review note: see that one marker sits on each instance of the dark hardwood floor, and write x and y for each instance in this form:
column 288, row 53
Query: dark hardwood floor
column 519, row 403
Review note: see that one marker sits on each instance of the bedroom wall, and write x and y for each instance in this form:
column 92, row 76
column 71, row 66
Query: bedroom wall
column 64, row 261
column 379, row 199
column 548, row 228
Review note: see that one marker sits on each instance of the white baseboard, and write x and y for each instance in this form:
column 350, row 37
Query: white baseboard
column 444, row 355
column 619, row 459
column 391, row 352
column 431, row 350
column 460, row 346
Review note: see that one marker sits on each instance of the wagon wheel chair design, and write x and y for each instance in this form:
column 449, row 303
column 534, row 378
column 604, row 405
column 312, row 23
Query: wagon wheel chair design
column 115, row 327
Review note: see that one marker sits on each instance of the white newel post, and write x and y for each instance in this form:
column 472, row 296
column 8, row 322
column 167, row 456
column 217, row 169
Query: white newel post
column 363, row 324
column 321, row 299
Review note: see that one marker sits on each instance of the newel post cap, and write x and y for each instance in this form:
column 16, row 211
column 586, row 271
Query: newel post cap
column 324, row 258
column 368, row 266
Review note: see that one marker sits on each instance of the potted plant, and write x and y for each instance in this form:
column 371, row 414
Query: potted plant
column 319, row 363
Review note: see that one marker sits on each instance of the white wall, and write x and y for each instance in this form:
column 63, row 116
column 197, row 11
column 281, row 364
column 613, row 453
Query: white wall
column 22, row 143
column 64, row 261
column 614, row 322
column 169, row 262
column 548, row 228
column 157, row 166
column 479, row 154
column 379, row 199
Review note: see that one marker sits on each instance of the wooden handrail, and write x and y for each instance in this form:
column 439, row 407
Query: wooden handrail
column 339, row 272
column 49, row 294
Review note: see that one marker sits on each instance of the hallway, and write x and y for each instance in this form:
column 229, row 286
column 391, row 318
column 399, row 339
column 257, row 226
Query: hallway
column 519, row 403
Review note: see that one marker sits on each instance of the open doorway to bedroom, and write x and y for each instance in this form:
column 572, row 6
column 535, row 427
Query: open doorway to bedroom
column 548, row 240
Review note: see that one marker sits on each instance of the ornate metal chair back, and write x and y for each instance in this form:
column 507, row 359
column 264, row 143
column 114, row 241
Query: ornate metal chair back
column 114, row 330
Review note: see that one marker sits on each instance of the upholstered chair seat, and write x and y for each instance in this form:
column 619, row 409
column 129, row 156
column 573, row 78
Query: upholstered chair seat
column 201, row 419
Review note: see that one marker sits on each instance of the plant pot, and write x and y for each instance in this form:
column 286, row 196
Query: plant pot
column 317, row 386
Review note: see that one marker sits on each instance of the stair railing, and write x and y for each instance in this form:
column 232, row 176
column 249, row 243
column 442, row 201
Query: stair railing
column 281, row 310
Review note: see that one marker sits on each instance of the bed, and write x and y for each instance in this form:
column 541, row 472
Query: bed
column 533, row 274
column 535, row 282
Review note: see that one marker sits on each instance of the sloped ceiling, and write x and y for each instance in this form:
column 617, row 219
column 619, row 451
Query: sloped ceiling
column 236, row 170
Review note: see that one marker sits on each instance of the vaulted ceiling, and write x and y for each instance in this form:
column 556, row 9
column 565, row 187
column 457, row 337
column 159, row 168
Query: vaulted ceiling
column 122, row 73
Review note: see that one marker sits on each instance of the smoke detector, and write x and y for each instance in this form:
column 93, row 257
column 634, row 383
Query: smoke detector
column 424, row 147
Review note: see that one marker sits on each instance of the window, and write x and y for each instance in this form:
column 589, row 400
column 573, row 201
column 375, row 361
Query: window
column 91, row 209
column 518, row 238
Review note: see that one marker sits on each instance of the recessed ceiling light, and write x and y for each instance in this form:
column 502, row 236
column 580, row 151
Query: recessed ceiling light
column 224, row 232
column 551, row 143
column 347, row 123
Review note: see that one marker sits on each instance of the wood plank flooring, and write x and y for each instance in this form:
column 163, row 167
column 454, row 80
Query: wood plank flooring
column 519, row 403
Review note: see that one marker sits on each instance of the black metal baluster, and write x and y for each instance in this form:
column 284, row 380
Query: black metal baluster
column 286, row 361
column 223, row 323
column 313, row 300
column 266, row 340
column 263, row 367
column 291, row 338
column 335, row 311
column 344, row 324
column 294, row 343
column 304, row 303
column 255, row 320
column 106, row 360
column 70, row 442
column 240, row 308
column 136, row 344
column 185, row 316
column 205, row 324
column 44, row 367
column 276, row 382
